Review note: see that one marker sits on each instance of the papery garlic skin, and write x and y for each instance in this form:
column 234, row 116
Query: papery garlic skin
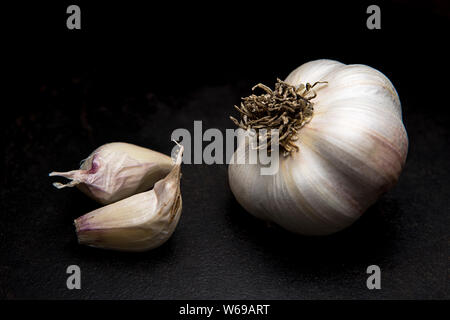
column 117, row 170
column 138, row 223
column 353, row 150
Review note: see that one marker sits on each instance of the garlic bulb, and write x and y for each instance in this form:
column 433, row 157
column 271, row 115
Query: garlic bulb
column 339, row 158
column 138, row 223
column 117, row 170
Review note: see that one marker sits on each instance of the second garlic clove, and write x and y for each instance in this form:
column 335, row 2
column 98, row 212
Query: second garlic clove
column 138, row 223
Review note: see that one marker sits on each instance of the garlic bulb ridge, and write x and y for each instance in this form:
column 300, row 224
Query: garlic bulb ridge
column 352, row 149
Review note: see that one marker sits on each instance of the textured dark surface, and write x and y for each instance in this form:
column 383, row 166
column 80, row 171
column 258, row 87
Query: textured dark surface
column 139, row 80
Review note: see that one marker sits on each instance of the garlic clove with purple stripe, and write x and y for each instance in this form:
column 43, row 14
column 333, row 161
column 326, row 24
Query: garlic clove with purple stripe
column 117, row 170
column 138, row 223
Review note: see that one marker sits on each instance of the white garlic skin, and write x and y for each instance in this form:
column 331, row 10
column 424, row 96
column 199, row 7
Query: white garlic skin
column 353, row 150
column 117, row 170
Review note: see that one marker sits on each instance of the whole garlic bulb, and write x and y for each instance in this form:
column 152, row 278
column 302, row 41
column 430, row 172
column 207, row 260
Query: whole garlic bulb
column 351, row 151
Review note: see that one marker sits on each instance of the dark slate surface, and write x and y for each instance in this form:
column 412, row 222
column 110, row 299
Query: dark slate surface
column 140, row 79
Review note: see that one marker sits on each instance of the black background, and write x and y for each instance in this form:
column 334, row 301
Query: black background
column 136, row 72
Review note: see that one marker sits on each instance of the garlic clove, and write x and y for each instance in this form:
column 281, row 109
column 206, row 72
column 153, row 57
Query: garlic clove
column 138, row 223
column 117, row 170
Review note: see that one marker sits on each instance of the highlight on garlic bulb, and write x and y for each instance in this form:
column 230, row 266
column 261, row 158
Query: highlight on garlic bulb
column 117, row 170
column 138, row 223
column 343, row 141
